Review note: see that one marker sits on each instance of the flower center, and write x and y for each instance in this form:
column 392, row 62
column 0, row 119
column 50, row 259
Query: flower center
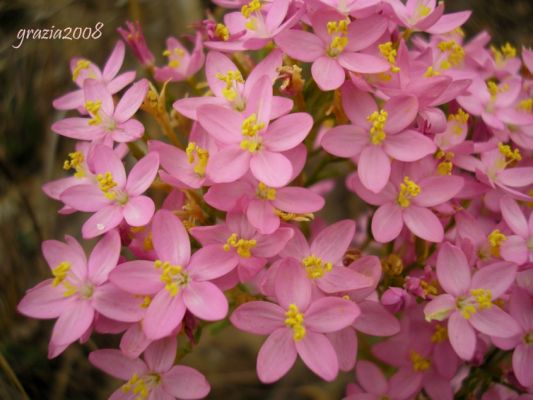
column 75, row 163
column 528, row 338
column 440, row 334
column 252, row 8
column 172, row 275
column 264, row 192
column 454, row 54
column 174, row 56
column 408, row 190
column 230, row 92
column 419, row 362
column 222, row 32
column 388, row 51
column 108, row 187
column 525, row 105
column 250, row 131
column 480, row 299
column 495, row 239
column 338, row 30
column 242, row 246
column 93, row 108
column 60, row 273
column 197, row 156
column 141, row 386
column 315, row 267
column 503, row 54
column 495, row 89
column 295, row 320
column 378, row 119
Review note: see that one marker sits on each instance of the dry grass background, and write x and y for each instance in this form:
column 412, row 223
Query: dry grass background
column 36, row 73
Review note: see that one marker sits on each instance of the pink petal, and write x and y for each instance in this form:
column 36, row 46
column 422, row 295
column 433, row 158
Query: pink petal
column 116, row 364
column 96, row 90
column 185, row 383
column 363, row 63
column 134, row 341
column 462, row 336
column 497, row 278
column 104, row 257
column 205, row 300
column 521, row 308
column 44, row 301
column 77, row 128
column 114, row 62
column 345, row 140
column 142, row 174
column 221, row 123
column 405, row 383
column 345, row 344
column 342, row 279
column 139, row 210
column 102, row 221
column 332, row 242
column 408, row 146
column 160, row 355
column 69, row 101
column 513, row 216
column 358, row 106
column 387, row 222
column 317, row 352
column 516, row 177
column 301, row 45
column 72, row 323
column 273, row 169
column 56, row 252
column 371, row 378
column 374, row 168
column 402, row 112
column 364, row 32
column 121, row 81
column 436, row 190
column 522, row 364
column 170, row 239
column 103, row 159
column 330, row 314
column 297, row 200
column 495, row 322
column 276, row 356
column 423, row 223
column 128, row 131
column 131, row 100
column 440, row 307
column 116, row 304
column 375, row 320
column 271, row 245
column 212, row 262
column 137, row 277
column 229, row 164
column 259, row 317
column 217, row 63
column 453, row 271
column 288, row 131
column 327, row 73
column 261, row 102
column 163, row 315
column 292, row 285
column 261, row 215
column 449, row 22
column 88, row 198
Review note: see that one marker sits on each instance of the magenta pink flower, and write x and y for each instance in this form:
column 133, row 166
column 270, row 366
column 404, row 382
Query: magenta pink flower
column 335, row 45
column 372, row 383
column 113, row 197
column 296, row 326
column 377, row 135
column 83, row 69
column 251, row 142
column 517, row 248
column 155, row 377
column 107, row 123
column 406, row 199
column 468, row 301
column 133, row 35
column 181, row 64
column 237, row 240
column 78, row 290
column 175, row 281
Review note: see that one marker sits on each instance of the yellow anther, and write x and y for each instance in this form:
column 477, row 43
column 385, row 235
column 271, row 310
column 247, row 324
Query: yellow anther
column 461, row 116
column 388, row 51
column 480, row 299
column 525, row 105
column 93, row 107
column 222, row 32
column 174, row 56
column 445, row 168
column 378, row 119
column 147, row 300
column 430, row 71
column 495, row 239
column 80, row 66
column 392, row 265
column 338, row 30
column 455, row 51
column 510, row 155
column 75, row 163
column 148, row 245
column 141, row 386
column 419, row 362
column 173, row 63
column 315, row 267
column 106, row 185
column 166, row 53
column 408, row 190
column 295, row 320
column 250, row 129
column 197, row 156
column 440, row 334
column 288, row 216
column 172, row 275
column 495, row 89
column 264, row 192
column 422, row 10
column 231, row 78
column 429, row 288
column 244, row 247
column 70, row 289
column 251, row 7
column 483, row 298
column 60, row 273
column 503, row 54
column 508, row 50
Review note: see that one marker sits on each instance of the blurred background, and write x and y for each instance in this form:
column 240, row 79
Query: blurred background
column 30, row 154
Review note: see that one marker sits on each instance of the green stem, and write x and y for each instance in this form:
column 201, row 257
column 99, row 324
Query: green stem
column 4, row 365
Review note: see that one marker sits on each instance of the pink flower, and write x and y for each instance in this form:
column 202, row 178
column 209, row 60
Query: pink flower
column 377, row 135
column 155, row 377
column 373, row 384
column 175, row 281
column 238, row 241
column 295, row 327
column 251, row 142
column 83, row 69
column 134, row 37
column 113, row 197
column 406, row 200
column 517, row 248
column 107, row 123
column 78, row 290
column 335, row 45
column 181, row 64
column 468, row 301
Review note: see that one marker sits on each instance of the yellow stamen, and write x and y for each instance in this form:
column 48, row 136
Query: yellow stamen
column 251, row 7
column 419, row 363
column 288, row 216
column 338, row 30
column 495, row 239
column 378, row 119
column 422, row 10
column 250, row 129
column 242, row 246
column 106, row 185
column 148, row 245
column 147, row 300
column 172, row 275
column 315, row 267
column 430, row 71
column 222, row 32
column 295, row 320
column 388, row 51
column 264, row 192
column 495, row 89
column 525, row 105
column 440, row 334
column 80, row 66
column 429, row 288
column 230, row 79
column 408, row 190
column 60, row 273
column 480, row 299
column 455, row 51
column 93, row 107
column 197, row 156
column 510, row 155
column 75, row 163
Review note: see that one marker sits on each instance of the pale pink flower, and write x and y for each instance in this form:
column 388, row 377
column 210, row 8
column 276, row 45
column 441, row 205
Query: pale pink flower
column 134, row 37
column 296, row 326
column 468, row 301
column 175, row 281
column 83, row 69
column 181, row 64
column 377, row 135
column 372, row 384
column 113, row 197
column 107, row 122
column 336, row 45
column 79, row 289
column 517, row 248
column 155, row 377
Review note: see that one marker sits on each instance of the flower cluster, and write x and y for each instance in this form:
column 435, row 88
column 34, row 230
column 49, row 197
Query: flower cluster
column 216, row 219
